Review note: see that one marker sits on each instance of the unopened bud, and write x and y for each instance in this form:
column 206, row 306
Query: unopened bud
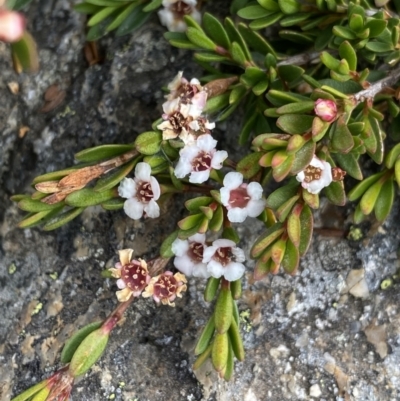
column 338, row 174
column 12, row 25
column 325, row 109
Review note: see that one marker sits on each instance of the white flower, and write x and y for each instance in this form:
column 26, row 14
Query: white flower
column 224, row 258
column 189, row 256
column 198, row 158
column 317, row 175
column 241, row 200
column 173, row 12
column 141, row 193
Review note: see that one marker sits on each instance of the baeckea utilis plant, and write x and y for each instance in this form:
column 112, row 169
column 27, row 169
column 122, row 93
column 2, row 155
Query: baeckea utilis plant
column 317, row 86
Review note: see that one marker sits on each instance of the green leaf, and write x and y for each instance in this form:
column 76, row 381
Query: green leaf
column 73, row 342
column 63, row 218
column 283, row 211
column 335, row 193
column 217, row 103
column 153, row 5
column 290, row 261
column 38, row 218
column 88, row 352
column 217, row 220
column 269, row 20
column 384, row 203
column 30, row 205
column 133, row 21
column 165, row 249
column 378, row 136
column 215, row 30
column 199, row 39
column 113, row 204
column 392, row 156
column 349, row 163
column 194, row 205
column 248, row 126
column 231, row 234
column 303, row 157
column 30, row 392
column 102, row 152
column 361, row 187
column 206, row 336
column 86, row 8
column 295, row 123
column 235, row 36
column 211, row 289
column 293, row 225
column 289, row 6
column 370, row 196
column 122, row 16
column 379, row 47
column 88, row 197
column 223, row 310
column 290, row 73
column 342, row 140
column 249, row 166
column 24, row 53
column 255, row 40
column 296, row 37
column 270, row 5
column 306, row 224
column 238, row 54
column 101, row 15
column 347, row 52
column 99, row 30
column 282, row 194
column 376, row 27
column 253, row 12
column 220, row 351
column 344, row 32
column 266, row 239
column 236, row 340
column 149, row 143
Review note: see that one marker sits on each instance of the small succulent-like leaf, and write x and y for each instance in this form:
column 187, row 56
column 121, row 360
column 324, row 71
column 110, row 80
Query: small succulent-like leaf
column 25, row 55
column 211, row 289
column 282, row 194
column 281, row 171
column 358, row 190
column 293, row 225
column 215, row 30
column 342, row 140
column 295, row 123
column 265, row 239
column 203, row 357
column 217, row 220
column 303, row 157
column 278, row 251
column 190, row 222
column 30, row 205
column 283, row 211
column 289, row 6
column 200, row 39
column 290, row 261
column 347, row 52
column 153, row 5
column 220, row 350
column 349, row 163
column 133, row 21
column 253, row 12
column 231, row 234
column 165, row 249
column 217, row 103
column 41, row 395
column 102, row 152
column 122, row 16
column 249, row 166
column 193, row 205
column 88, row 197
column 205, row 336
column 319, row 129
column 311, row 200
column 263, row 268
column 306, row 224
column 384, row 203
column 370, row 197
column 115, row 177
column 378, row 134
column 63, row 218
column 31, row 391
column 335, row 193
column 236, row 340
column 265, row 21
column 236, row 289
column 113, row 204
column 73, row 342
column 270, row 5
column 397, row 171
column 148, row 143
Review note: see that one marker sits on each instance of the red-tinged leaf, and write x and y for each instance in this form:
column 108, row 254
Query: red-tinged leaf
column 290, row 261
column 295, row 123
column 293, row 225
column 279, row 157
column 265, row 239
column 262, row 269
column 319, row 129
column 296, row 142
column 311, row 200
column 249, row 166
column 335, row 193
column 266, row 160
column 283, row 211
column 280, row 172
column 278, row 251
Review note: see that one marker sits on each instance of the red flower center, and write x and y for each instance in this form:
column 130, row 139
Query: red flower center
column 195, row 252
column 177, row 120
column 186, row 91
column 165, row 287
column 134, row 276
column 144, row 192
column 202, row 162
column 223, row 255
column 239, row 197
column 181, row 9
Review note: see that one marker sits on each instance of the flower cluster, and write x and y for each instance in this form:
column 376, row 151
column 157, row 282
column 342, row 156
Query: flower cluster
column 173, row 12
column 134, row 280
column 195, row 258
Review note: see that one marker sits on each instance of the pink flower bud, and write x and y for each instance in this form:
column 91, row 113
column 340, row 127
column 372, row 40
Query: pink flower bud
column 325, row 109
column 12, row 26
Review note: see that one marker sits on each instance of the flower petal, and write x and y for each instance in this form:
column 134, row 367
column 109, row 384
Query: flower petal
column 255, row 190
column 133, row 208
column 121, row 284
column 180, row 247
column 143, row 171
column 233, row 271
column 125, row 256
column 225, row 195
column 237, row 215
column 223, row 243
column 209, row 253
column 255, row 207
column 218, row 158
column 206, row 143
column 127, row 188
column 124, row 295
column 200, row 270
column 200, row 238
column 198, row 177
column 215, row 269
column 184, row 264
column 152, row 209
column 155, row 187
column 233, row 180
